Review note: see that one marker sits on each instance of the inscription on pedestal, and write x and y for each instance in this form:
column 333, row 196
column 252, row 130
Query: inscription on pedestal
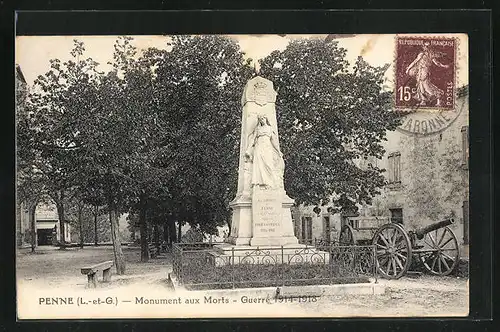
column 266, row 212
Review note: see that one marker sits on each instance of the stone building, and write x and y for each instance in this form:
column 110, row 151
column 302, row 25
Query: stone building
column 427, row 181
column 47, row 226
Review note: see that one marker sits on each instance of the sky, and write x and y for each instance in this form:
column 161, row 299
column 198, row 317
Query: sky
column 34, row 52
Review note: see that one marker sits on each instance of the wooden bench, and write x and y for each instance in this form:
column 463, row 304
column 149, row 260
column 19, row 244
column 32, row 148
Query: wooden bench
column 91, row 272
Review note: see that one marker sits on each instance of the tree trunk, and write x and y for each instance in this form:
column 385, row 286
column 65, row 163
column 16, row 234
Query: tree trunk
column 156, row 236
column 143, row 229
column 62, row 228
column 229, row 221
column 32, row 221
column 171, row 226
column 132, row 236
column 80, row 224
column 115, row 236
column 166, row 233
column 96, row 237
column 179, row 232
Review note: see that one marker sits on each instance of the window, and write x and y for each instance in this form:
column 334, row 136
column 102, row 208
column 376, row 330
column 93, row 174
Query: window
column 307, row 228
column 354, row 223
column 397, row 215
column 326, row 228
column 394, row 165
column 465, row 146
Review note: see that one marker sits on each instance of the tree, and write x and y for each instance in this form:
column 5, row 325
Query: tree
column 104, row 154
column 137, row 166
column 120, row 148
column 328, row 116
column 93, row 196
column 60, row 103
column 77, row 214
column 199, row 85
column 79, row 132
column 30, row 184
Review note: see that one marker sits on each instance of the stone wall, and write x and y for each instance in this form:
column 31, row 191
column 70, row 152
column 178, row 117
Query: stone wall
column 318, row 230
column 434, row 178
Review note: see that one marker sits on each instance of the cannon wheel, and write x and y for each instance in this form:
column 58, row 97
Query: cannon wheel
column 347, row 236
column 441, row 251
column 393, row 250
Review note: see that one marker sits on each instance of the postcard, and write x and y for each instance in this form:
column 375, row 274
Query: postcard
column 209, row 176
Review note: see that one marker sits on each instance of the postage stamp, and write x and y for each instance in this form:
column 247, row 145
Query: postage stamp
column 425, row 73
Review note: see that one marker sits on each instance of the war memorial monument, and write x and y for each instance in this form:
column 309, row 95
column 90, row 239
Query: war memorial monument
column 261, row 217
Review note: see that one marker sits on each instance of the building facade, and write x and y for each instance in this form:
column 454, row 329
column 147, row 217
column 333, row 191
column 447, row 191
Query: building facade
column 47, row 225
column 427, row 181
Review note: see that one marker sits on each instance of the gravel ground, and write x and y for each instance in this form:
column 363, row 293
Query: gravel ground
column 425, row 295
column 54, row 266
column 422, row 296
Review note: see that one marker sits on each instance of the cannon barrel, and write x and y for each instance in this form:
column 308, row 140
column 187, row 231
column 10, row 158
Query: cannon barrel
column 420, row 232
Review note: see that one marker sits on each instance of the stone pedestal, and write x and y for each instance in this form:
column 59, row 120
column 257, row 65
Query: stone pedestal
column 241, row 227
column 264, row 220
column 271, row 216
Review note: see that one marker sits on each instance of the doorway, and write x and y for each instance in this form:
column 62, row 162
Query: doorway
column 307, row 229
column 397, row 215
column 44, row 237
column 326, row 228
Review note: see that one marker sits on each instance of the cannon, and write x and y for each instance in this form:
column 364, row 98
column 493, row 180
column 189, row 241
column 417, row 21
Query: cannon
column 435, row 245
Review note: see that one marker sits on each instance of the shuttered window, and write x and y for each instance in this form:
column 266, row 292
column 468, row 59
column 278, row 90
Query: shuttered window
column 307, row 228
column 326, row 228
column 394, row 167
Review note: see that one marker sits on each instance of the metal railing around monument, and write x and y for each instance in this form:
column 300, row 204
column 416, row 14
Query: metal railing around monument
column 202, row 266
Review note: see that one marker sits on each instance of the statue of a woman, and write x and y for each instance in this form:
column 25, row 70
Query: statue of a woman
column 263, row 151
column 421, row 69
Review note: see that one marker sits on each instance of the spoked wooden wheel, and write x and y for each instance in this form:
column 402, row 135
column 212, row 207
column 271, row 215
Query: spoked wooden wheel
column 347, row 237
column 440, row 253
column 393, row 251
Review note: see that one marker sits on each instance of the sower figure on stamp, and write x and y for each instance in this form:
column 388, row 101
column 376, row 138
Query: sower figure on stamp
column 420, row 68
column 264, row 153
